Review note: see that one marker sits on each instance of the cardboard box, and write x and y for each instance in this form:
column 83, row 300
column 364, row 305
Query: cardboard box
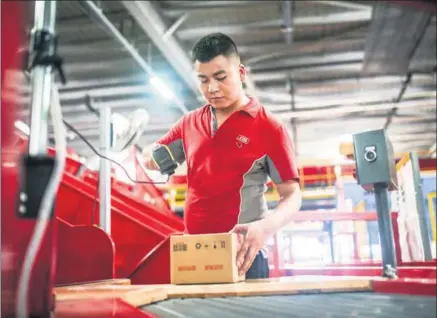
column 204, row 259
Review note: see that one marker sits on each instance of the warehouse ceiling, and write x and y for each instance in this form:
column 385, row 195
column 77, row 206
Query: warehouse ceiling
column 326, row 68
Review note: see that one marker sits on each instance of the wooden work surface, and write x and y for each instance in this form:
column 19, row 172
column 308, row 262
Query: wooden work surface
column 116, row 281
column 140, row 295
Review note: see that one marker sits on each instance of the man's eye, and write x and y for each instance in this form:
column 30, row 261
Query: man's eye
column 221, row 78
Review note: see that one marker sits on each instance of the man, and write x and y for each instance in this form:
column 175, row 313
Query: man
column 231, row 146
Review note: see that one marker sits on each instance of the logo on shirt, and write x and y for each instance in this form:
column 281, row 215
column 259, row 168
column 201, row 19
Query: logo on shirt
column 242, row 140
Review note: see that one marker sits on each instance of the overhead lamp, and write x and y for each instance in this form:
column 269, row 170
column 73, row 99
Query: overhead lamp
column 161, row 87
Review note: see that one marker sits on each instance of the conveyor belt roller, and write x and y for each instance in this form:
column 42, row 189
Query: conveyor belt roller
column 335, row 305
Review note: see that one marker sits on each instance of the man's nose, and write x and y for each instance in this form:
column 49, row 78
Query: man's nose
column 213, row 86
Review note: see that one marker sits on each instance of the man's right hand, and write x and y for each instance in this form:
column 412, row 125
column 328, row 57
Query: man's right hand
column 150, row 164
column 147, row 159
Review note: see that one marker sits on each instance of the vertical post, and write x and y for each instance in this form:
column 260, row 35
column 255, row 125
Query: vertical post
column 41, row 76
column 421, row 212
column 105, row 170
column 36, row 278
column 330, row 228
column 385, row 230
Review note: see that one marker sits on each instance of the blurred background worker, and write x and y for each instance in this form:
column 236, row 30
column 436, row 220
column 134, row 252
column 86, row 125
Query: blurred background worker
column 231, row 146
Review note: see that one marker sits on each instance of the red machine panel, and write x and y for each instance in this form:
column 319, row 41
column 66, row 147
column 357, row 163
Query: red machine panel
column 154, row 268
column 80, row 261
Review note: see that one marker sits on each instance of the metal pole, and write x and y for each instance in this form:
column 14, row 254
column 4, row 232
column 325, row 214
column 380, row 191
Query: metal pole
column 41, row 78
column 423, row 224
column 385, row 230
column 331, row 241
column 105, row 170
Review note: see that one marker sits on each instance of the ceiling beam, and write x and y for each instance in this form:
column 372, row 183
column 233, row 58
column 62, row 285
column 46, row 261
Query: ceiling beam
column 256, row 53
column 413, row 126
column 18, row 81
column 183, row 6
column 71, row 25
column 367, row 116
column 233, row 29
column 426, row 76
column 345, row 4
column 101, row 46
column 357, row 108
column 116, row 105
column 312, row 73
column 87, row 123
column 79, row 145
column 413, row 137
column 308, row 59
column 155, row 129
column 349, row 98
column 99, row 93
column 333, row 124
column 150, row 21
column 114, row 63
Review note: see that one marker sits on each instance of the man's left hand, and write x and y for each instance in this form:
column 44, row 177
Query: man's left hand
column 255, row 237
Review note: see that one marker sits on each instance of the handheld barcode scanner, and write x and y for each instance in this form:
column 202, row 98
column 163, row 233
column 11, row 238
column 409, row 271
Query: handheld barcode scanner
column 164, row 159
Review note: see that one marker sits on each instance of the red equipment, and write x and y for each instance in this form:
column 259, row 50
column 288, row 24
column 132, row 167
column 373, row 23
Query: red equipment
column 17, row 230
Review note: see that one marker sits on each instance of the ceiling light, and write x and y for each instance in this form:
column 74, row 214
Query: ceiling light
column 161, row 87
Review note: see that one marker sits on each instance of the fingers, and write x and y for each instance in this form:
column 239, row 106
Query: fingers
column 241, row 254
column 247, row 246
column 240, row 241
column 248, row 260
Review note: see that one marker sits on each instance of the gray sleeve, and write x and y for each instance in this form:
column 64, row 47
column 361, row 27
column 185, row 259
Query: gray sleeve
column 177, row 149
column 272, row 172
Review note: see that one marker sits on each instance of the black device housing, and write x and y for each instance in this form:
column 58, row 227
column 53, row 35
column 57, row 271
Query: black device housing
column 164, row 160
column 36, row 174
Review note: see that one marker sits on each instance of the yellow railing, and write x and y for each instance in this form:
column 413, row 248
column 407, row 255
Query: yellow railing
column 404, row 159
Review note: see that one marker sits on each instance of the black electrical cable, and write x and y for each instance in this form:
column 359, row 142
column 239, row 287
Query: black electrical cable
column 113, row 161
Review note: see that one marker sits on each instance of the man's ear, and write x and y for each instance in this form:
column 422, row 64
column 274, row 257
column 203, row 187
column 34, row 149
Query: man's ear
column 243, row 72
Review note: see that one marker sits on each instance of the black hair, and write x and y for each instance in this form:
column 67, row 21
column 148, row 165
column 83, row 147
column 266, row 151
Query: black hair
column 213, row 45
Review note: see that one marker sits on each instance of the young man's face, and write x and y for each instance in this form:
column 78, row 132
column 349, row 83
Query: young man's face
column 220, row 80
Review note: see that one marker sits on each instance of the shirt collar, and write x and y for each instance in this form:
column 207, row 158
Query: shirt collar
column 252, row 107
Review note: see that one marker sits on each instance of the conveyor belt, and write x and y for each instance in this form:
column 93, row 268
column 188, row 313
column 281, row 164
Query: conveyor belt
column 336, row 305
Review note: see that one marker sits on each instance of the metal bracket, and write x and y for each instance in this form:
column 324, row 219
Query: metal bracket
column 44, row 46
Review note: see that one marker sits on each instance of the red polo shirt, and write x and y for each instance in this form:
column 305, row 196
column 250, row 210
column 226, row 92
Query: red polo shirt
column 228, row 167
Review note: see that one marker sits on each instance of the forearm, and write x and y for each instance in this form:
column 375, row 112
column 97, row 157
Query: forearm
column 283, row 213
